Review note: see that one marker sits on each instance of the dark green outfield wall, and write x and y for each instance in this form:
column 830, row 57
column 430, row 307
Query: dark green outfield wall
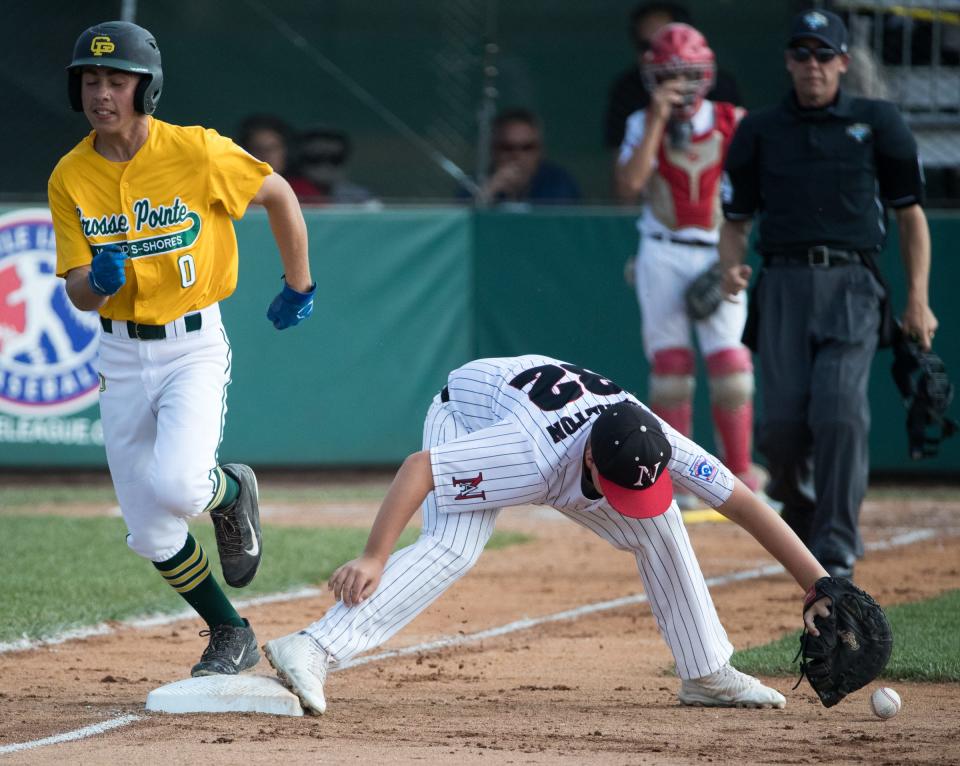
column 406, row 295
column 421, row 60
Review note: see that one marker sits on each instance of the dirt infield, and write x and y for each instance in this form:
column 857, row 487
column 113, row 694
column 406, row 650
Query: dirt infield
column 597, row 689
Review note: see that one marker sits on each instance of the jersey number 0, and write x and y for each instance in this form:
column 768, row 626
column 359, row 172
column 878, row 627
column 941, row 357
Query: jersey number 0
column 188, row 270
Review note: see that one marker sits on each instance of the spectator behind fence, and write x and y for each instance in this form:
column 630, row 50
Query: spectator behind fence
column 819, row 171
column 266, row 137
column 321, row 168
column 518, row 171
column 628, row 93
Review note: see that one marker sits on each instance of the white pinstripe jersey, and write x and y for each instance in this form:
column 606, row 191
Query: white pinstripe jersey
column 528, row 419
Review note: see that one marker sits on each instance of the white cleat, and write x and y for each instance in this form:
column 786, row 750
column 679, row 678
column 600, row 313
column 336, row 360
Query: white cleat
column 302, row 667
column 728, row 687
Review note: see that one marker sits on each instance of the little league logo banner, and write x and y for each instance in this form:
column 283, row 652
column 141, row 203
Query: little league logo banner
column 47, row 347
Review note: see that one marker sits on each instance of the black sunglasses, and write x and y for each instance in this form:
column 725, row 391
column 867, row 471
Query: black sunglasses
column 529, row 146
column 801, row 53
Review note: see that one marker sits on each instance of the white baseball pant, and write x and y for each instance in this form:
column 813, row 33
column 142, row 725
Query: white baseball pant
column 450, row 544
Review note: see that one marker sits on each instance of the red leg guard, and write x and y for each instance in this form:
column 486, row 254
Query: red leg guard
column 674, row 361
column 680, row 416
column 729, row 361
column 671, row 387
column 732, row 408
column 735, row 429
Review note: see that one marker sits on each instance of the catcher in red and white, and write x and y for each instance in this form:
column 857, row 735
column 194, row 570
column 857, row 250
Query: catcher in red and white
column 672, row 155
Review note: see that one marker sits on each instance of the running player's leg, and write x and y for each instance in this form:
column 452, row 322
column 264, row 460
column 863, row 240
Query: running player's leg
column 191, row 409
column 142, row 448
column 129, row 435
column 193, row 374
column 449, row 545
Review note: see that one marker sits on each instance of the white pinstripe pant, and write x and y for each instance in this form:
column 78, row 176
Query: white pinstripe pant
column 451, row 543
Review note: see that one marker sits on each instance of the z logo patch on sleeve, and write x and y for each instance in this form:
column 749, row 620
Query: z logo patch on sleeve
column 469, row 488
column 704, row 470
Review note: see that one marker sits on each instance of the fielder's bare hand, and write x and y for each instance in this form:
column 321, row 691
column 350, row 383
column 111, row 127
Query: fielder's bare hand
column 735, row 279
column 356, row 580
column 819, row 608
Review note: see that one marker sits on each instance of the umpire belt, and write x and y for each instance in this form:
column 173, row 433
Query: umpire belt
column 819, row 257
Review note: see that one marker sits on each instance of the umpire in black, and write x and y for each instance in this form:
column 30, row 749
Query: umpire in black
column 819, row 171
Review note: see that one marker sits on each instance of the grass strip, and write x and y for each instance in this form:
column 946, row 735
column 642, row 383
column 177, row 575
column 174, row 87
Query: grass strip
column 925, row 645
column 64, row 573
column 25, row 498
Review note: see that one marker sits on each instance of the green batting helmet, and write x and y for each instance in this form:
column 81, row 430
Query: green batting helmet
column 118, row 45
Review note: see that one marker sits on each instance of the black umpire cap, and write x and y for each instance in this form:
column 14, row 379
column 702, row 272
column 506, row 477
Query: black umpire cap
column 824, row 26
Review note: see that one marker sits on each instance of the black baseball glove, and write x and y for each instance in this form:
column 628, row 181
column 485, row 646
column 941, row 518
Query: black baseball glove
column 704, row 294
column 927, row 393
column 854, row 644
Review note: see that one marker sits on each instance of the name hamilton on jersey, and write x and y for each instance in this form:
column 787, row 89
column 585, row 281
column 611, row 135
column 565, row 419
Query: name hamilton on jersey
column 568, row 425
column 149, row 216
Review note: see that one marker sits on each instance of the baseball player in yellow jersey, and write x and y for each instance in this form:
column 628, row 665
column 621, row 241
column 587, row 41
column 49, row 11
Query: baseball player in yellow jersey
column 142, row 214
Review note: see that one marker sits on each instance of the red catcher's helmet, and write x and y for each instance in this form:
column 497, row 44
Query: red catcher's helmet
column 680, row 51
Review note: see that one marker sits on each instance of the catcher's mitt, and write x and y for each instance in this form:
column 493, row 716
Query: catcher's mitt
column 704, row 294
column 854, row 644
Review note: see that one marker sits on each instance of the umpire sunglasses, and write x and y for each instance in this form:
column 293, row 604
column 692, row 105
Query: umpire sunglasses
column 801, row 53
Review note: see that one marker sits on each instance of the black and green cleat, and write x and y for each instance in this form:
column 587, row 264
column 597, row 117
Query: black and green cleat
column 237, row 529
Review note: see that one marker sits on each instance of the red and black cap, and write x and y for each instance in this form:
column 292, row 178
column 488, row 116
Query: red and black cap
column 631, row 453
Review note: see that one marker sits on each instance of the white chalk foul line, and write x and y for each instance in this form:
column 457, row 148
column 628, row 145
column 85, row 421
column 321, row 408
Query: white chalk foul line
column 150, row 621
column 906, row 538
column 69, row 736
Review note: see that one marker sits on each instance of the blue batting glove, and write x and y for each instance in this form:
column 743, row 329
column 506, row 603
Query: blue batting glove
column 291, row 307
column 106, row 270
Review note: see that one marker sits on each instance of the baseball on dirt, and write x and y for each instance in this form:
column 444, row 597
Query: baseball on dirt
column 885, row 702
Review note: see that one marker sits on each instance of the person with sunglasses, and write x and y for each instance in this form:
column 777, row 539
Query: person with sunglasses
column 519, row 173
column 819, row 171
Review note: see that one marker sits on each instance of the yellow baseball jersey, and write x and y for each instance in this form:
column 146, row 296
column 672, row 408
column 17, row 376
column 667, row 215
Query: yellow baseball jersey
column 170, row 208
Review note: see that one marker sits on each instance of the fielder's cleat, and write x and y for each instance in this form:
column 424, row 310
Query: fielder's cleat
column 231, row 650
column 237, row 528
column 728, row 687
column 302, row 667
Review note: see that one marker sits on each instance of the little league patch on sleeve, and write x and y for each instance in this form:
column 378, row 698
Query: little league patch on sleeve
column 704, row 469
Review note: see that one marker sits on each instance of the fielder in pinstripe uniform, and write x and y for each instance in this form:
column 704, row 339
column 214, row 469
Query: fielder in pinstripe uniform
column 532, row 429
